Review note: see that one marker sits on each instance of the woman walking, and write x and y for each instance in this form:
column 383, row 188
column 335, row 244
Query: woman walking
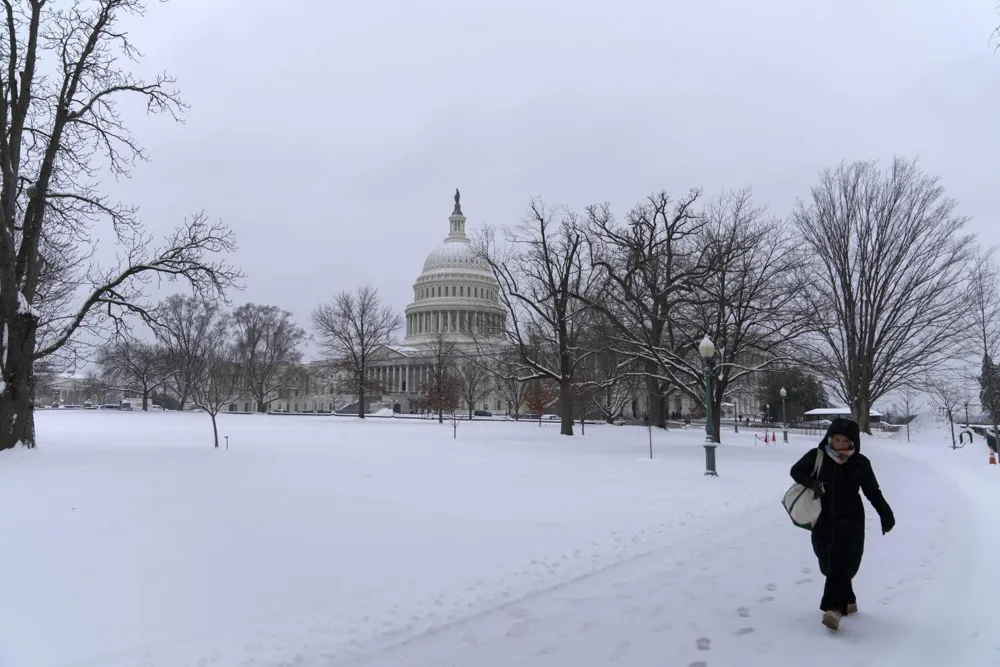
column 838, row 538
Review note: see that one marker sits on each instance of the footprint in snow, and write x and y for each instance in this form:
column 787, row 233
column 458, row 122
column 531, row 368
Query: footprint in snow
column 700, row 663
column 765, row 599
column 743, row 612
column 621, row 650
column 744, row 631
column 704, row 644
column 772, row 587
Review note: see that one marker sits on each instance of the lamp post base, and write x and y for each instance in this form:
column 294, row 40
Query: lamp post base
column 710, row 460
column 785, row 435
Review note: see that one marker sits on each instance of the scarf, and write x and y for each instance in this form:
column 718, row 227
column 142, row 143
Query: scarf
column 837, row 456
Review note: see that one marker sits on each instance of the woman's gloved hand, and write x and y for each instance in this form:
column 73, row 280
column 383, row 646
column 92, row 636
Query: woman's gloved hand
column 817, row 488
column 888, row 522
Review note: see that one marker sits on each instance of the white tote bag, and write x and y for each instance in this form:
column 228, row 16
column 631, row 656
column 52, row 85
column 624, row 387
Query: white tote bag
column 802, row 505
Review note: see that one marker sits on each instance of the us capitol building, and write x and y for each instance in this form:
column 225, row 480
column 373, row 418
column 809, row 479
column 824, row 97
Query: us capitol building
column 455, row 296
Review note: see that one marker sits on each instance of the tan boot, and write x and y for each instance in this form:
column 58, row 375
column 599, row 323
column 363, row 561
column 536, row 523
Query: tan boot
column 852, row 609
column 831, row 619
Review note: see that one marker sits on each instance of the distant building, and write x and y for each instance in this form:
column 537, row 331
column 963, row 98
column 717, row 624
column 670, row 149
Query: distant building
column 831, row 413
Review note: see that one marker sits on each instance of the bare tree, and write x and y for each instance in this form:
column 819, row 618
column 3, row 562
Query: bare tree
column 351, row 329
column 454, row 419
column 885, row 278
column 267, row 342
column 443, row 389
column 186, row 327
column 219, row 381
column 727, row 271
column 542, row 272
column 651, row 264
column 948, row 391
column 134, row 365
column 911, row 403
column 745, row 303
column 62, row 128
column 474, row 381
column 95, row 389
column 614, row 376
column 508, row 375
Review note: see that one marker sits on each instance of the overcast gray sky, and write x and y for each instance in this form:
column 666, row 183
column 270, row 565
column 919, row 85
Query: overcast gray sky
column 331, row 135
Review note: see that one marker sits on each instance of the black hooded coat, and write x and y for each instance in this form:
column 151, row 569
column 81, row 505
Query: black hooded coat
column 838, row 537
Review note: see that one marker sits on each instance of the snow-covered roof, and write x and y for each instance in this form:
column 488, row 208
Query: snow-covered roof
column 837, row 412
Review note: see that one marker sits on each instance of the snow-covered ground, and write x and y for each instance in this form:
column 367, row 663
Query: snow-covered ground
column 126, row 540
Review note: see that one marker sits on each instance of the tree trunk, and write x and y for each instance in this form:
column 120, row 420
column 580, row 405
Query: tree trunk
column 657, row 403
column 583, row 426
column 566, row 402
column 17, row 416
column 440, row 416
column 470, row 410
column 454, row 430
column 215, row 429
column 862, row 414
column 145, row 400
column 184, row 395
column 361, row 395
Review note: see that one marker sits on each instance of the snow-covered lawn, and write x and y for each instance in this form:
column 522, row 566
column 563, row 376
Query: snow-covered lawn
column 126, row 540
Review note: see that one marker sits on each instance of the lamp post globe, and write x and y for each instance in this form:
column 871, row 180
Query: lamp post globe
column 707, row 351
column 706, row 348
column 784, row 414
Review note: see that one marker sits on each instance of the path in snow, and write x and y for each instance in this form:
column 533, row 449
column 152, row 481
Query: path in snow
column 747, row 594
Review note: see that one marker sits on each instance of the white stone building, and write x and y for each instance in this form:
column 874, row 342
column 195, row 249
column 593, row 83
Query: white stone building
column 455, row 296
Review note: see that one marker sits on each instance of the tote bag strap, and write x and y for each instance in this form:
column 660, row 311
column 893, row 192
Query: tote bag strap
column 819, row 463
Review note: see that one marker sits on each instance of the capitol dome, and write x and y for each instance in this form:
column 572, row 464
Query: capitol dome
column 456, row 293
column 454, row 254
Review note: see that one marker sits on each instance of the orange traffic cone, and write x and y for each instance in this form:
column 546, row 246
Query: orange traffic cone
column 993, row 459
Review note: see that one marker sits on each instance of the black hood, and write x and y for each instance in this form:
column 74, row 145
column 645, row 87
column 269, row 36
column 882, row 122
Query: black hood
column 847, row 428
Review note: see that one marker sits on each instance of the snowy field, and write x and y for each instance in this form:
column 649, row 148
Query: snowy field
column 127, row 541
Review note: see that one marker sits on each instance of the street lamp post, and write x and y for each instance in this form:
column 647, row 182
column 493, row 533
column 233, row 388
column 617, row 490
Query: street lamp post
column 784, row 414
column 768, row 408
column 707, row 350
